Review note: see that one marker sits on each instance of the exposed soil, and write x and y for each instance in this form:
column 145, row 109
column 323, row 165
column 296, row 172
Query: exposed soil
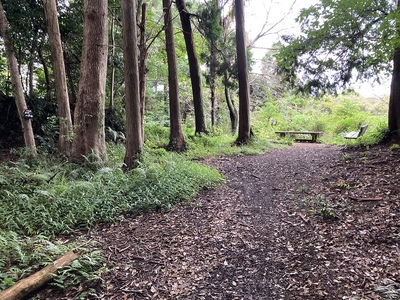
column 307, row 222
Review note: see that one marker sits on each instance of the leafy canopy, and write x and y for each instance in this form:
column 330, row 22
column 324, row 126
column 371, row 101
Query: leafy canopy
column 341, row 41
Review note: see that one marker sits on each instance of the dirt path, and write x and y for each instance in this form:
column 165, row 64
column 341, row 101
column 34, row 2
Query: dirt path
column 230, row 243
column 255, row 237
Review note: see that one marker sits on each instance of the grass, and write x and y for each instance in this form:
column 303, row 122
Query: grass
column 335, row 116
column 55, row 197
column 44, row 198
column 48, row 197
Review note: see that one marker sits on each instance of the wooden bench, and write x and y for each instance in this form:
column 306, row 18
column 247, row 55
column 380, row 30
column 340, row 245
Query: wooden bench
column 356, row 134
column 314, row 134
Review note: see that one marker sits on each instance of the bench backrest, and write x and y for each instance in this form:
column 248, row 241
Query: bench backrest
column 363, row 129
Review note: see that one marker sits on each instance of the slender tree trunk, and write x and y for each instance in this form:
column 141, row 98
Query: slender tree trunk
column 64, row 113
column 244, row 93
column 213, row 75
column 16, row 82
column 45, row 71
column 71, row 84
column 30, row 78
column 142, row 64
column 193, row 66
column 176, row 138
column 31, row 64
column 394, row 102
column 134, row 136
column 112, row 80
column 89, row 138
column 231, row 107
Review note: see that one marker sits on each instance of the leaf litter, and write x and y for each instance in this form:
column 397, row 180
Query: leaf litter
column 307, row 222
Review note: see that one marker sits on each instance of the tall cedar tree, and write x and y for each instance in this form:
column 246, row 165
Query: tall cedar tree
column 193, row 67
column 89, row 137
column 394, row 102
column 60, row 79
column 16, row 82
column 244, row 92
column 176, row 139
column 211, row 25
column 134, row 136
column 143, row 54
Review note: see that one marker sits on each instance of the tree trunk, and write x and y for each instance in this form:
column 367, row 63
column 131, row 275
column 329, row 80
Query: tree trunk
column 231, row 106
column 394, row 101
column 176, row 138
column 213, row 75
column 89, row 135
column 64, row 113
column 71, row 84
column 112, row 80
column 45, row 71
column 16, row 82
column 134, row 136
column 193, row 66
column 142, row 64
column 244, row 94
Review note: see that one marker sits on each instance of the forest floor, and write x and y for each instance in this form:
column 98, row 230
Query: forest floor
column 307, row 222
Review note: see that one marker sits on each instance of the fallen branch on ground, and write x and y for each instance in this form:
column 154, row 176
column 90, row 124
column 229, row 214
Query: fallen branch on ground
column 27, row 285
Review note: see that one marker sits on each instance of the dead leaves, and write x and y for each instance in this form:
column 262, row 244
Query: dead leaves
column 255, row 238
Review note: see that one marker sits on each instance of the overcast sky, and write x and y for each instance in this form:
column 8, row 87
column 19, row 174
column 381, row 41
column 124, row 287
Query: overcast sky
column 278, row 15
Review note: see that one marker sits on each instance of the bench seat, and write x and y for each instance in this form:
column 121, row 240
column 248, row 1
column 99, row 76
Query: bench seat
column 356, row 134
column 314, row 134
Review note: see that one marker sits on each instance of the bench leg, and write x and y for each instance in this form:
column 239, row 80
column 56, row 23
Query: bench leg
column 314, row 137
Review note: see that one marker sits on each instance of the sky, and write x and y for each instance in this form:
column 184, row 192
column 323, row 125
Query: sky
column 279, row 17
column 271, row 12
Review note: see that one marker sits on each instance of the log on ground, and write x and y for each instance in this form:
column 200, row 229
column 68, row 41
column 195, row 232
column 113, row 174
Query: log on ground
column 27, row 285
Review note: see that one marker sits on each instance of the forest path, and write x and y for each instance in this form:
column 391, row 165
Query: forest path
column 306, row 222
column 232, row 242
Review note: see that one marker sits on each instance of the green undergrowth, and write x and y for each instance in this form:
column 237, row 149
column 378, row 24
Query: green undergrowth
column 55, row 197
column 334, row 116
column 20, row 256
column 48, row 197
column 211, row 144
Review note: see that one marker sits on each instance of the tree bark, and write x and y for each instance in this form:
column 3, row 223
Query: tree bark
column 89, row 138
column 394, row 101
column 193, row 67
column 28, row 285
column 16, row 82
column 244, row 93
column 71, row 83
column 176, row 138
column 112, row 47
column 45, row 71
column 231, row 107
column 134, row 136
column 213, row 75
column 60, row 79
column 143, row 53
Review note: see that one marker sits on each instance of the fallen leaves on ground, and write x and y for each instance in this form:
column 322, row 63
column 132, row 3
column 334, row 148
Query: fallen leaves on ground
column 306, row 222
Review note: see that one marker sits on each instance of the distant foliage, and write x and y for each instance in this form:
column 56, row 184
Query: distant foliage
column 334, row 116
column 341, row 41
